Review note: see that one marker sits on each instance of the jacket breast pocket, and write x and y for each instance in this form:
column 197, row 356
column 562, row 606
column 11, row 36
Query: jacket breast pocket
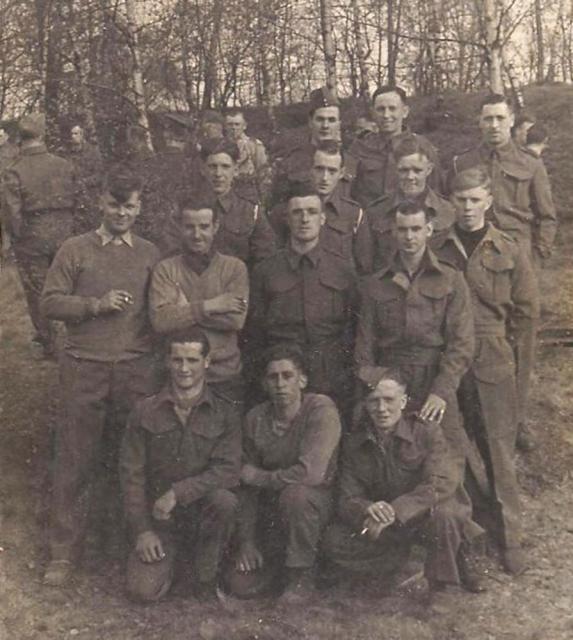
column 390, row 314
column 333, row 297
column 517, row 181
column 163, row 449
column 427, row 313
column 337, row 239
column 496, row 278
column 285, row 300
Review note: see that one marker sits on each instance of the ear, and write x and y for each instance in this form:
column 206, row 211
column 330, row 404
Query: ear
column 322, row 218
column 430, row 227
column 406, row 111
column 489, row 201
column 207, row 361
column 216, row 226
column 430, row 168
column 302, row 381
column 403, row 402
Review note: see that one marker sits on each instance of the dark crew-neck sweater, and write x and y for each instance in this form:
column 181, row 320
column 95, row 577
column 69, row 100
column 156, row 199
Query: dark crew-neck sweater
column 82, row 272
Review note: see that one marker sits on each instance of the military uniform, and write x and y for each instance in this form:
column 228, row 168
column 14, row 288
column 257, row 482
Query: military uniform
column 199, row 458
column 375, row 172
column 253, row 169
column 423, row 326
column 374, row 241
column 504, row 297
column 38, row 194
column 412, row 471
column 308, row 300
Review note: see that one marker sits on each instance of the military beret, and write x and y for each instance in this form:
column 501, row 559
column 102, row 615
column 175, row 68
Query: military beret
column 371, row 376
column 32, row 125
column 212, row 116
column 537, row 134
column 323, row 97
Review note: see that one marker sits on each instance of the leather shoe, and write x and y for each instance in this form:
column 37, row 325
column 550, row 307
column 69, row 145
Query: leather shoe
column 514, row 561
column 524, row 441
column 472, row 570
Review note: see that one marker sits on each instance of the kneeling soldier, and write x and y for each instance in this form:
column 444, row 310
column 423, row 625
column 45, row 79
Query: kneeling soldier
column 181, row 453
column 399, row 485
column 290, row 445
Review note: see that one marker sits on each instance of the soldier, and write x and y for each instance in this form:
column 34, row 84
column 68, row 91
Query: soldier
column 9, row 152
column 38, row 206
column 181, row 454
column 306, row 295
column 537, row 140
column 373, row 154
column 504, row 297
column 211, row 128
column 253, row 169
column 416, row 316
column 397, row 486
column 522, row 207
column 374, row 240
column 290, row 446
column 523, row 123
column 88, row 164
column 98, row 285
column 204, row 288
column 324, row 126
column 343, row 215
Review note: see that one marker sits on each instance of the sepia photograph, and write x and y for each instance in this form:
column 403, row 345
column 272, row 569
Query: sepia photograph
column 286, row 319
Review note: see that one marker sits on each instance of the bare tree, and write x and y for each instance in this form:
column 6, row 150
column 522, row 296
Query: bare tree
column 328, row 45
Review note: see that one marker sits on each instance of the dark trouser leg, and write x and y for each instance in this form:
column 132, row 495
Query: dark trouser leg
column 217, row 515
column 524, row 351
column 347, row 549
column 85, row 389
column 150, row 581
column 494, row 428
column 304, row 512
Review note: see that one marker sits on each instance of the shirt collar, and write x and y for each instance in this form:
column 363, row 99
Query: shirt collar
column 107, row 237
column 166, row 396
column 429, row 263
column 34, row 150
column 295, row 259
column 492, row 235
column 226, row 201
column 404, row 431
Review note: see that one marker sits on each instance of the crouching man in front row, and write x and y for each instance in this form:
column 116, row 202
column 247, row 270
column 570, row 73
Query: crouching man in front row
column 181, row 453
column 290, row 448
column 398, row 486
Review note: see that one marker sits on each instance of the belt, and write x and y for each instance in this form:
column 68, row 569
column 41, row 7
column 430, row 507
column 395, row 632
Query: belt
column 413, row 355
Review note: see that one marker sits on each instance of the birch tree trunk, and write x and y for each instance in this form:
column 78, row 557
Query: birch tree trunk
column 328, row 44
column 360, row 49
column 493, row 46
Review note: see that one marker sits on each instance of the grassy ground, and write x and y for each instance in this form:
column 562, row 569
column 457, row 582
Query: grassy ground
column 537, row 606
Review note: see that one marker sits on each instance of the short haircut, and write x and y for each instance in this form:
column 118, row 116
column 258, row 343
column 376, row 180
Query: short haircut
column 387, row 88
column 524, row 116
column 471, row 179
column 391, row 374
column 189, row 202
column 330, row 148
column 408, row 208
column 301, row 190
column 496, row 98
column 121, row 181
column 235, row 111
column 537, row 134
column 284, row 351
column 414, row 145
column 213, row 147
column 192, row 334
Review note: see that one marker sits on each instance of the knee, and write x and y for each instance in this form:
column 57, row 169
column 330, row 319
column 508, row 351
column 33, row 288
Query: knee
column 295, row 499
column 147, row 583
column 222, row 502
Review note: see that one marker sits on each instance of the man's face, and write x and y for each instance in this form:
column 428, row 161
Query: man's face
column 495, row 123
column 3, row 137
column 413, row 173
column 221, row 170
column 235, row 126
column 471, row 206
column 389, row 112
column 412, row 232
column 326, row 172
column 187, row 365
column 119, row 216
column 305, row 217
column 325, row 124
column 284, row 383
column 385, row 404
column 211, row 130
column 77, row 136
column 198, row 230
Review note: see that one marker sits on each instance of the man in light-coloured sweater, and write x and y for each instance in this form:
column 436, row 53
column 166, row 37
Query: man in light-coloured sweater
column 204, row 288
column 98, row 285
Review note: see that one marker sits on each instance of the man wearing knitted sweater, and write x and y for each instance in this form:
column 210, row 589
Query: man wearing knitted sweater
column 97, row 285
column 204, row 288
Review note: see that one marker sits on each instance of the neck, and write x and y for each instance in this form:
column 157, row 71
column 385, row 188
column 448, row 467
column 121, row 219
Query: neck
column 472, row 230
column 412, row 260
column 184, row 396
column 287, row 412
column 302, row 247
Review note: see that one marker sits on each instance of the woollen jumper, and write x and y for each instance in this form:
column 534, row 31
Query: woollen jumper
column 82, row 272
column 177, row 297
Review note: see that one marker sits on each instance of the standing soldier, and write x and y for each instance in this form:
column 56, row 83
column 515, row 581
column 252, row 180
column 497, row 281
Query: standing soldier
column 504, row 297
column 98, row 285
column 306, row 295
column 522, row 207
column 88, row 165
column 211, row 128
column 324, row 126
column 342, row 214
column 374, row 240
column 416, row 316
column 38, row 206
column 8, row 154
column 253, row 169
column 373, row 154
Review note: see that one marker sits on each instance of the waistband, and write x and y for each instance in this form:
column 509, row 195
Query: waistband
column 411, row 355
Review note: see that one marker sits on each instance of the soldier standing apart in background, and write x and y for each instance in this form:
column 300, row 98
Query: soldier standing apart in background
column 373, row 154
column 88, row 165
column 8, row 154
column 416, row 316
column 38, row 194
column 98, row 285
column 253, row 169
column 323, row 126
column 375, row 243
column 523, row 207
column 505, row 304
